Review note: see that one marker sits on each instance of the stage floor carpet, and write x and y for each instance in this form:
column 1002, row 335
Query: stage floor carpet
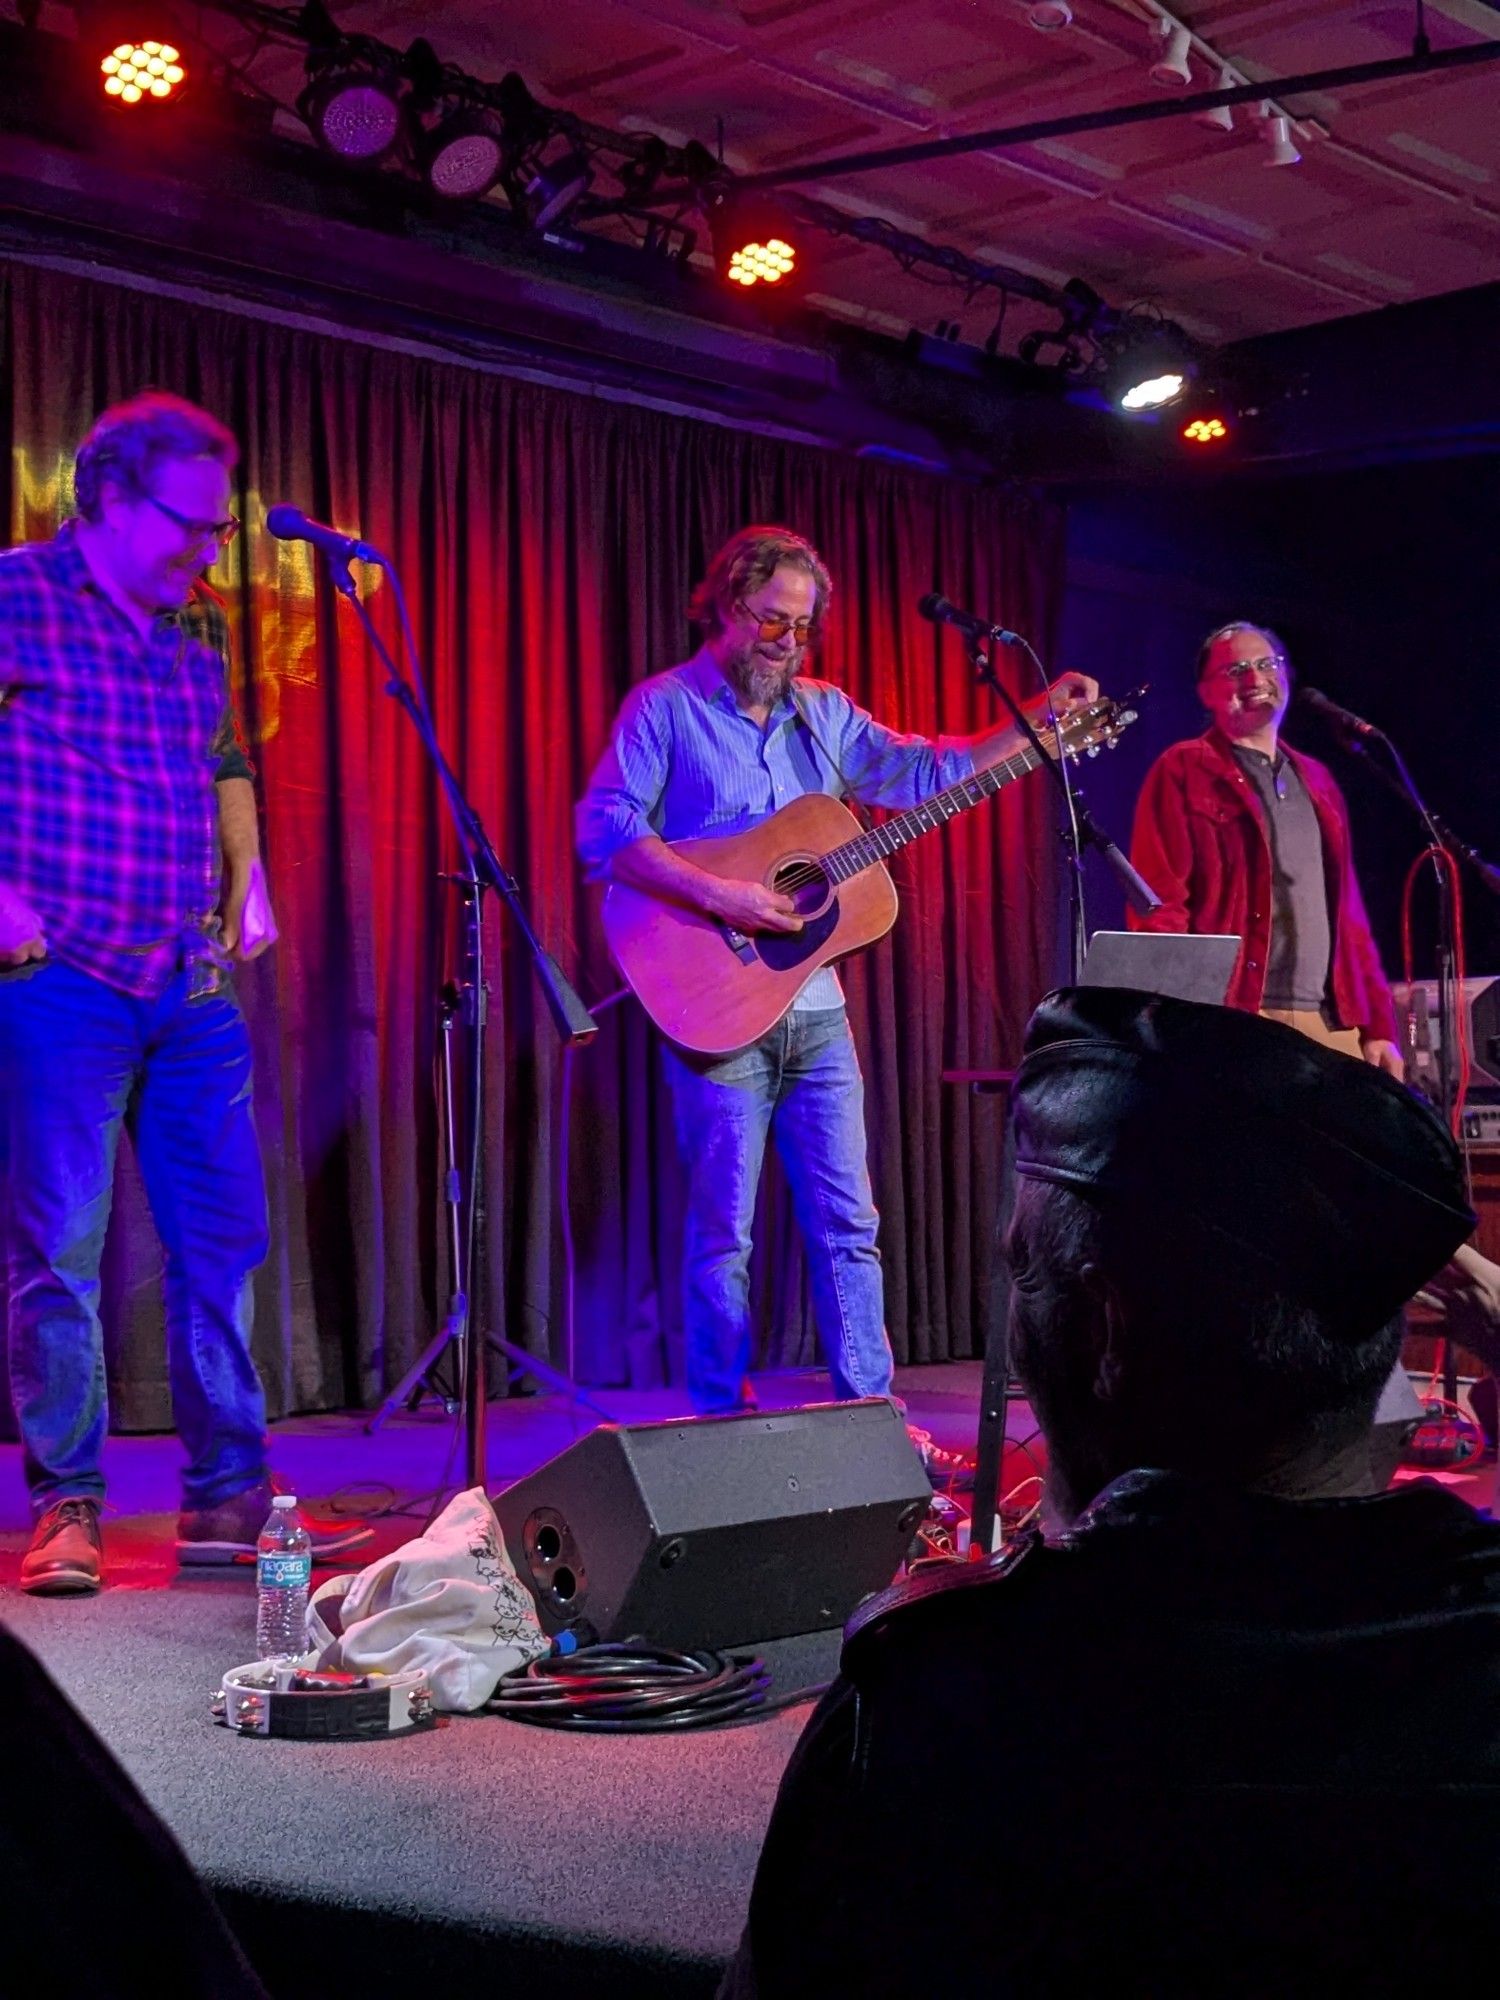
column 486, row 1850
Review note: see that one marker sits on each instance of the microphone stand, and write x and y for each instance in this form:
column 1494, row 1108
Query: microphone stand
column 1081, row 829
column 1450, row 999
column 482, row 870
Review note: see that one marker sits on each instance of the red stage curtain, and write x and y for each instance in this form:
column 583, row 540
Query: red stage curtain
column 548, row 542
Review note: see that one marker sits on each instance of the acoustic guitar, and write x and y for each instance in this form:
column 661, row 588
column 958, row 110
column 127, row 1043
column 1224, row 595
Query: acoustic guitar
column 715, row 989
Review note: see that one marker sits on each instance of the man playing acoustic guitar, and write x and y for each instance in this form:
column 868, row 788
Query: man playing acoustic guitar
column 714, row 747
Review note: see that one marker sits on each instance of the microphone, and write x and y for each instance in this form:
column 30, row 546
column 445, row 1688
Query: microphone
column 290, row 524
column 936, row 607
column 1343, row 720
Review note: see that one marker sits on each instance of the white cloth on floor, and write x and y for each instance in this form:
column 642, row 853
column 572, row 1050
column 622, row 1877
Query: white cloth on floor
column 449, row 1603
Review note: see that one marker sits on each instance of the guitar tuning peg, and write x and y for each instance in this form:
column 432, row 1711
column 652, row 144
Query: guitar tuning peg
column 1093, row 750
column 1114, row 742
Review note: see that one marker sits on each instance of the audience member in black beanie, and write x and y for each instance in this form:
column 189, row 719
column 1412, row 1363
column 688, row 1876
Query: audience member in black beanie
column 1234, row 1727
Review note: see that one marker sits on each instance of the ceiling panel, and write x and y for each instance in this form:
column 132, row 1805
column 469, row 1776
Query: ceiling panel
column 1397, row 195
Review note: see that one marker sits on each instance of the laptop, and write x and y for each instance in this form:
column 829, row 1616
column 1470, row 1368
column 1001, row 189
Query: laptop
column 1186, row 965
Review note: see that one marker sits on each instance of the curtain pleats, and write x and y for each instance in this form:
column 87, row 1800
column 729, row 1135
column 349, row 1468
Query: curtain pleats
column 548, row 542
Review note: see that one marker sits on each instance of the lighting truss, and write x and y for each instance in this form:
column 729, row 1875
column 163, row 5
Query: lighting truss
column 663, row 188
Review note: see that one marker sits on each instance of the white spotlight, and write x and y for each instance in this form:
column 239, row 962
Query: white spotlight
column 1154, row 392
column 1171, row 66
column 1221, row 118
column 1281, row 150
column 1050, row 14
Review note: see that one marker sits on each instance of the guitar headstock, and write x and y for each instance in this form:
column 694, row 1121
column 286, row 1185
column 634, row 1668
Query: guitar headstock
column 1098, row 727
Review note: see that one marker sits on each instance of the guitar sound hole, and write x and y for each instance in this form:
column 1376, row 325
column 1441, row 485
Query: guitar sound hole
column 815, row 901
column 801, row 878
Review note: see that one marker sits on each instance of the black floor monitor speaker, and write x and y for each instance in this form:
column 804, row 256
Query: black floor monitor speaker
column 715, row 1531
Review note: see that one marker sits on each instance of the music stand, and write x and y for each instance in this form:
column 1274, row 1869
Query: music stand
column 1184, row 965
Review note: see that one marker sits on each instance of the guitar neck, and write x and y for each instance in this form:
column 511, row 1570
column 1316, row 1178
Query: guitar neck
column 853, row 856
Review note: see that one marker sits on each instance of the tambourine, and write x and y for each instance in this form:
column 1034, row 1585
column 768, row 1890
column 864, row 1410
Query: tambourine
column 286, row 1698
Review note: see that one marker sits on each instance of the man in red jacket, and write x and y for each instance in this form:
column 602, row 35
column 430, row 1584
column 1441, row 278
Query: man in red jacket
column 1239, row 833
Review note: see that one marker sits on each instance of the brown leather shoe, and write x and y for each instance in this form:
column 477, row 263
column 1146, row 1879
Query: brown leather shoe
column 228, row 1533
column 66, row 1556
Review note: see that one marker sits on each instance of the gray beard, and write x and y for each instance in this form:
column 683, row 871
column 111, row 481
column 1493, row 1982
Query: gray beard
column 757, row 682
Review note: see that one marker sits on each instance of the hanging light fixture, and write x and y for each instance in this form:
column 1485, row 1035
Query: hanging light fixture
column 1276, row 130
column 462, row 154
column 142, row 72
column 355, row 113
column 1221, row 117
column 757, row 247
column 352, row 100
column 556, row 187
column 1207, row 429
column 1150, row 368
column 455, row 140
column 140, row 53
column 1172, row 69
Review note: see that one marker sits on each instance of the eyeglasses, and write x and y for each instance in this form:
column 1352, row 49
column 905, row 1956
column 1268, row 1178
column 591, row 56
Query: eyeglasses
column 773, row 626
column 1273, row 664
column 223, row 532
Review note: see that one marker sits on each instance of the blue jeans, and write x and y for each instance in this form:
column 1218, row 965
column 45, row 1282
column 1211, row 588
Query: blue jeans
column 803, row 1081
column 77, row 1060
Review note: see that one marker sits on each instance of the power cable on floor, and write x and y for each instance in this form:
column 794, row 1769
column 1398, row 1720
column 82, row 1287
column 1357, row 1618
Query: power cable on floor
column 630, row 1687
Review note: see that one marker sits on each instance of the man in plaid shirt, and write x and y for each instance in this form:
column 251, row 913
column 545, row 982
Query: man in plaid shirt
column 130, row 882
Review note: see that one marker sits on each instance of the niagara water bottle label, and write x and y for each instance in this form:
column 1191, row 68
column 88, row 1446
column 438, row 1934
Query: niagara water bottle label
column 290, row 1572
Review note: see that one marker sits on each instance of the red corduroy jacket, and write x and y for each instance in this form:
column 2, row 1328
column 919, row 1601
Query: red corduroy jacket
column 1200, row 841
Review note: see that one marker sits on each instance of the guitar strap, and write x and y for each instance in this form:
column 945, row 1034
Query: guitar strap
column 802, row 757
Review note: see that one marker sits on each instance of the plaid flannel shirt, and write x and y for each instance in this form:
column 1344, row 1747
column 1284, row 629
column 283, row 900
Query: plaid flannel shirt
column 110, row 750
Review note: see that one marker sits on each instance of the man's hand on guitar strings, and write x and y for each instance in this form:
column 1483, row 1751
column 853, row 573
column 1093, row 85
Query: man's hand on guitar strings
column 751, row 906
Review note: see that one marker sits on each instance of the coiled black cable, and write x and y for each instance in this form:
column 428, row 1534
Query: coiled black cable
column 633, row 1686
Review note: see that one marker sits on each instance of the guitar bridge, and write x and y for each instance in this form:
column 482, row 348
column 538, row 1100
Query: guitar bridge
column 742, row 947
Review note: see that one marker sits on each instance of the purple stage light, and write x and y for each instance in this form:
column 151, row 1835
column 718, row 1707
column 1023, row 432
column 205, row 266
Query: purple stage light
column 354, row 112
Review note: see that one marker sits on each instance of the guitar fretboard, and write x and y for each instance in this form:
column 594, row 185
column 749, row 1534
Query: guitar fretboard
column 867, row 848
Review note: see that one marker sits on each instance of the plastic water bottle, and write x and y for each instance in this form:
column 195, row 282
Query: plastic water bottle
column 283, row 1572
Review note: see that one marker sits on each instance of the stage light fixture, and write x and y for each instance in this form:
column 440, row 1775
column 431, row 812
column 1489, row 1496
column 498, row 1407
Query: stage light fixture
column 527, row 125
column 1281, row 149
column 556, row 188
column 1153, row 392
column 1172, row 69
column 144, row 72
column 1149, row 369
column 1221, row 117
column 138, row 51
column 1205, row 431
column 1050, row 15
column 757, row 248
column 761, row 263
column 461, row 156
column 352, row 103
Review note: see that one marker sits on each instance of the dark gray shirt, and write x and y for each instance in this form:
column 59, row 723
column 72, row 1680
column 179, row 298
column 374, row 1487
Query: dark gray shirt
column 1301, row 937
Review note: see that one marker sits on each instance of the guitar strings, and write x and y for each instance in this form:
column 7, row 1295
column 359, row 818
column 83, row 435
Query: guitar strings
column 971, row 790
column 807, row 873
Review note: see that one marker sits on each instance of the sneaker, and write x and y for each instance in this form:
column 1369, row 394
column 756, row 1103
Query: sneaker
column 66, row 1556
column 228, row 1533
column 950, row 1470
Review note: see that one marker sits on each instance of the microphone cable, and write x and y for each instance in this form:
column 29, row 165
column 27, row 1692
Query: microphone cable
column 631, row 1686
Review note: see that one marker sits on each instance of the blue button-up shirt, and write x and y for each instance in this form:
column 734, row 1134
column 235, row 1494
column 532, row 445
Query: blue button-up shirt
column 685, row 760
